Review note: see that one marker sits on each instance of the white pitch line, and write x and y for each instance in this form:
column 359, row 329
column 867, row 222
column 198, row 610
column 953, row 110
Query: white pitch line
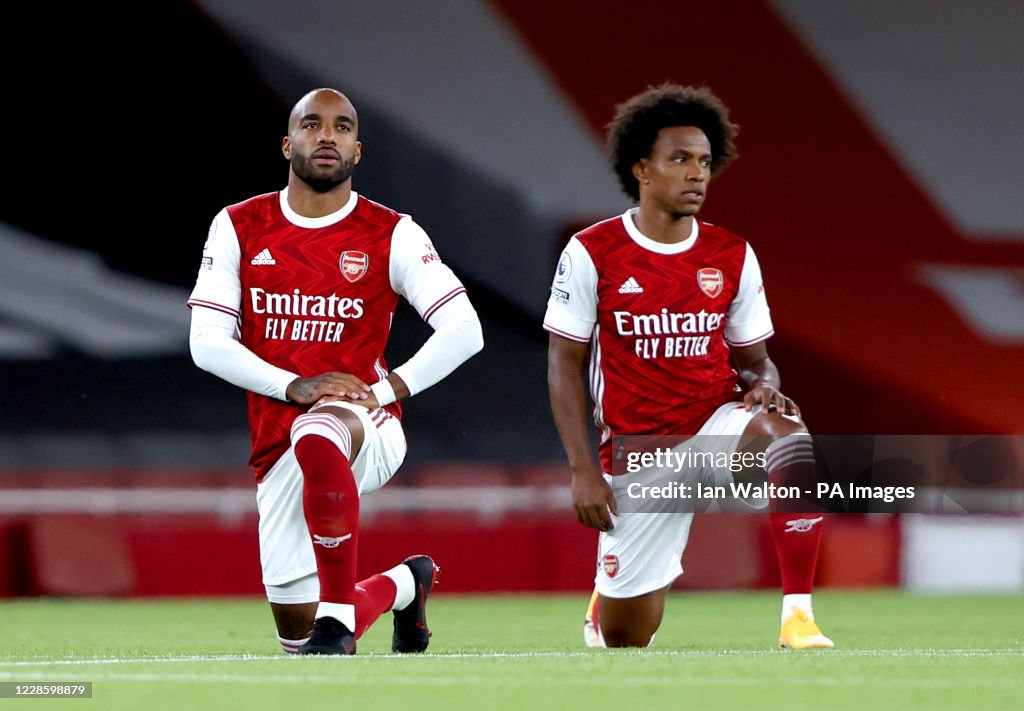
column 880, row 653
column 557, row 681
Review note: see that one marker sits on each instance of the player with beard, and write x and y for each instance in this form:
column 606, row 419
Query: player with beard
column 293, row 303
column 672, row 314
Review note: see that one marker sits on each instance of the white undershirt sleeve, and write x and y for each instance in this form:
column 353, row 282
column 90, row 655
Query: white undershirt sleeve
column 457, row 336
column 749, row 320
column 215, row 303
column 418, row 274
column 213, row 340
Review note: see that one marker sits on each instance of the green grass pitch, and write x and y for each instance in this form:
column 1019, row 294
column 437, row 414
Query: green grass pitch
column 897, row 651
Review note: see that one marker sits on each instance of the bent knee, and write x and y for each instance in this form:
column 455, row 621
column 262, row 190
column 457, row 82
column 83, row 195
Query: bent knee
column 775, row 425
column 336, row 424
column 342, row 412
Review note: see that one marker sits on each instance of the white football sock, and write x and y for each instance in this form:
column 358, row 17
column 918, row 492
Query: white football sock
column 405, row 584
column 345, row 614
column 800, row 600
column 291, row 645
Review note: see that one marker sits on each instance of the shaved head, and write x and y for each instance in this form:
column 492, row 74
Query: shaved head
column 303, row 105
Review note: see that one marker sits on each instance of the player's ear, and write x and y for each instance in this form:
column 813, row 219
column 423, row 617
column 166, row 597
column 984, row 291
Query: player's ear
column 286, row 147
column 359, row 152
column 640, row 170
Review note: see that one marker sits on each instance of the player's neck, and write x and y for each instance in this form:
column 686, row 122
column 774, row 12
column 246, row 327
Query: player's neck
column 662, row 226
column 309, row 203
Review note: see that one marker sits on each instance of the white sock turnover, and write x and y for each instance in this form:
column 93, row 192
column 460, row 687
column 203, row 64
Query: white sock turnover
column 405, row 583
column 800, row 600
column 345, row 614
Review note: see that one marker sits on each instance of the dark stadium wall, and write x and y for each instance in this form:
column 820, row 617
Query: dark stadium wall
column 128, row 140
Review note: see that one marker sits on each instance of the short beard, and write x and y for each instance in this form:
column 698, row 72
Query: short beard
column 303, row 169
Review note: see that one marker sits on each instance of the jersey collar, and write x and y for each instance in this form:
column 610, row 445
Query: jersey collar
column 649, row 244
column 317, row 222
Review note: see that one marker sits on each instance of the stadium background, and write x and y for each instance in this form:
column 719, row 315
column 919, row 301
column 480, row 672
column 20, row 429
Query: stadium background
column 879, row 181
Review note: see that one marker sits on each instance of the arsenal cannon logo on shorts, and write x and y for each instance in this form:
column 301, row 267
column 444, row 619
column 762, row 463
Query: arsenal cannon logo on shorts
column 710, row 281
column 354, row 265
column 611, row 565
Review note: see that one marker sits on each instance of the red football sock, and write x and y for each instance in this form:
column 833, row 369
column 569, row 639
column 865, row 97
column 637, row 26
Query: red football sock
column 796, row 537
column 795, row 523
column 374, row 597
column 330, row 502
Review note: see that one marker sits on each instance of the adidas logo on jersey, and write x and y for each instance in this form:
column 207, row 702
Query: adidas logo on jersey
column 263, row 258
column 630, row 286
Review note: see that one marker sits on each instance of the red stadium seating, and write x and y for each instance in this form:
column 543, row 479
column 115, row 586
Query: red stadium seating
column 199, row 537
column 78, row 556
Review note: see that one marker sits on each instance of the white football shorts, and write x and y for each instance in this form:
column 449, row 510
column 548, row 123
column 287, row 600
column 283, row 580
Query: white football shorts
column 286, row 551
column 644, row 551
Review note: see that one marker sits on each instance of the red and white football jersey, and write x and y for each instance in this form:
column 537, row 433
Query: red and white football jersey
column 660, row 319
column 314, row 295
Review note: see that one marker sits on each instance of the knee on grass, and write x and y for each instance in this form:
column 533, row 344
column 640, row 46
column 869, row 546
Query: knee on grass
column 626, row 636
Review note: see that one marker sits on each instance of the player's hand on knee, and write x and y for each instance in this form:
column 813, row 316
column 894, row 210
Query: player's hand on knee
column 593, row 500
column 342, row 385
column 764, row 397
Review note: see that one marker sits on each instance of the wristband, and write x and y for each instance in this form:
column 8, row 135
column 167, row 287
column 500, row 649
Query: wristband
column 383, row 391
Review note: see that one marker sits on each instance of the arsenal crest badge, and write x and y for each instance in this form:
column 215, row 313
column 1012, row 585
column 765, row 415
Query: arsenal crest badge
column 710, row 281
column 354, row 265
column 611, row 565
